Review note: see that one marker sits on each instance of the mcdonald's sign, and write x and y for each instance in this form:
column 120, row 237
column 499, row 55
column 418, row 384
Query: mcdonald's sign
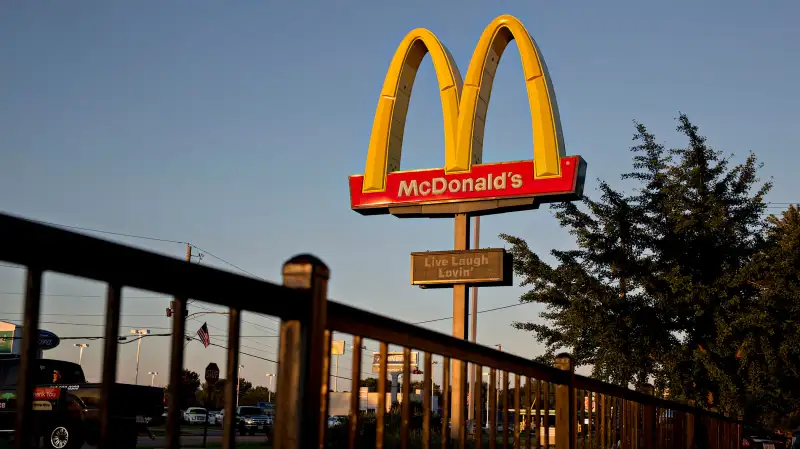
column 465, row 184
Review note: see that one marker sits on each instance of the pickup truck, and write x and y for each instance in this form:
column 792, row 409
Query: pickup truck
column 67, row 409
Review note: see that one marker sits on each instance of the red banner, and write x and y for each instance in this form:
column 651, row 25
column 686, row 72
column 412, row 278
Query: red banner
column 484, row 182
column 46, row 394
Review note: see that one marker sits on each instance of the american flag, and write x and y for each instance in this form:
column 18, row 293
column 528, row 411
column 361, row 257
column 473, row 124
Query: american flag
column 203, row 334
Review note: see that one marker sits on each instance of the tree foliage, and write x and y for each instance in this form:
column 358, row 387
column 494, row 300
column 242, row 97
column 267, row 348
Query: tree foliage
column 667, row 281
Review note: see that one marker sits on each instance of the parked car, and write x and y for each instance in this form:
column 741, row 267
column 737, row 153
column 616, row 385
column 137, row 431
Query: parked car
column 251, row 419
column 754, row 438
column 195, row 415
column 337, row 420
column 67, row 408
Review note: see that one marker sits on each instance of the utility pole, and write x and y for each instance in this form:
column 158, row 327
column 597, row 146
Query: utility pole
column 80, row 356
column 171, row 308
column 474, row 333
column 499, row 348
column 141, row 333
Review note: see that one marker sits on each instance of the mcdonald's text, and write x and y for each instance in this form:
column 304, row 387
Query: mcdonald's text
column 483, row 182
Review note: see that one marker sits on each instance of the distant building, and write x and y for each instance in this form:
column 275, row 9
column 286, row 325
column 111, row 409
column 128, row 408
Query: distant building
column 339, row 403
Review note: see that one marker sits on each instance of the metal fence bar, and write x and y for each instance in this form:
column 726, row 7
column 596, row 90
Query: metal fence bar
column 492, row 423
column 538, row 403
column 324, row 388
column 405, row 411
column 54, row 249
column 505, row 409
column 517, row 432
column 354, row 321
column 427, row 390
column 109, row 375
column 478, row 402
column 380, row 414
column 528, row 413
column 354, row 395
column 546, row 389
column 232, row 374
column 447, row 402
column 25, row 429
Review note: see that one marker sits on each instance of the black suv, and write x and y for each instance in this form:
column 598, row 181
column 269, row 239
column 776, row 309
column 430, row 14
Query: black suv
column 251, row 419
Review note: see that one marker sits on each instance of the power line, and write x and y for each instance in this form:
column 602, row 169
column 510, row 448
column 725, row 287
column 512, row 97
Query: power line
column 121, row 234
column 480, row 311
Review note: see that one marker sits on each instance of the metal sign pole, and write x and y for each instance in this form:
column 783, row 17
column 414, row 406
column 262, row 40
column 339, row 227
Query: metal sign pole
column 460, row 330
column 208, row 401
column 474, row 334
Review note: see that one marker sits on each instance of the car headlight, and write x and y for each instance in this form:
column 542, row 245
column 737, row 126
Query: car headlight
column 248, row 421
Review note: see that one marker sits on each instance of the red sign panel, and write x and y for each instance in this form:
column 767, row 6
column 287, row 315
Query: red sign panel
column 505, row 180
column 46, row 394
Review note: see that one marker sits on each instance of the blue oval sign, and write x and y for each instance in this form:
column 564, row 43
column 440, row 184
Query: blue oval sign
column 48, row 340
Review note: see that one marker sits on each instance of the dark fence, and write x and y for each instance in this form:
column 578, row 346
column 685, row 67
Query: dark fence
column 549, row 406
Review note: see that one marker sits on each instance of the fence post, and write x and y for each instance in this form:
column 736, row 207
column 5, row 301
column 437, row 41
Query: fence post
column 690, row 427
column 566, row 414
column 649, row 419
column 300, row 413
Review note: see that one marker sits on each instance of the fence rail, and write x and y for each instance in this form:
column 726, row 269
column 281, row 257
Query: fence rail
column 547, row 406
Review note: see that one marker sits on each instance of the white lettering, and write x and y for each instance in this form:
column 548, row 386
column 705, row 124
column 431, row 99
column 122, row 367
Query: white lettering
column 454, row 186
column 425, row 188
column 408, row 188
column 442, row 183
column 500, row 182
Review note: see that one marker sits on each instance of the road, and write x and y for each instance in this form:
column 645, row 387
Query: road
column 191, row 437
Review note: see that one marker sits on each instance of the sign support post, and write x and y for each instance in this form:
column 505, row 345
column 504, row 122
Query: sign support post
column 212, row 376
column 460, row 330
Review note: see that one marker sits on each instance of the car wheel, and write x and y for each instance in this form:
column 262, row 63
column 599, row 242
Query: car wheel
column 62, row 436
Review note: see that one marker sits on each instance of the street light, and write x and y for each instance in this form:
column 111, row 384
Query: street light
column 153, row 375
column 269, row 395
column 141, row 333
column 487, row 403
column 80, row 356
column 238, row 381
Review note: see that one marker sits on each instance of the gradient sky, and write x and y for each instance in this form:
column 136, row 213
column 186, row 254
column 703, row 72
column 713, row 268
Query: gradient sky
column 234, row 125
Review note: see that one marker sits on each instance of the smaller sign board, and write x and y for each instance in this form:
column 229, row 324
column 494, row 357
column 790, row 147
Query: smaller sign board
column 394, row 361
column 212, row 373
column 337, row 347
column 479, row 267
column 48, row 340
column 6, row 341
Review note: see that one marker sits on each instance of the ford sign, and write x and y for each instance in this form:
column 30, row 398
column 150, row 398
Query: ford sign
column 48, row 340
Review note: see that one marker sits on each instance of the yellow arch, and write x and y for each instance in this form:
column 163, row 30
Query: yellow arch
column 548, row 142
column 386, row 140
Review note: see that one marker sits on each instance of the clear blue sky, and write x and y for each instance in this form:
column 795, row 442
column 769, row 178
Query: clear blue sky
column 234, row 126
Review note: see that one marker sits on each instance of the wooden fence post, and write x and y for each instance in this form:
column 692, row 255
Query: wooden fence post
column 566, row 414
column 300, row 414
column 648, row 419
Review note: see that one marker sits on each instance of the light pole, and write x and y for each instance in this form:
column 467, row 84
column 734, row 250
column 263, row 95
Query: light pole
column 153, row 375
column 141, row 333
column 269, row 395
column 80, row 354
column 238, row 381
column 487, row 402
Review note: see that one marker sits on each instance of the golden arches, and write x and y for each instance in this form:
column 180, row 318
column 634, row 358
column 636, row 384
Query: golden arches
column 386, row 140
column 548, row 142
column 464, row 111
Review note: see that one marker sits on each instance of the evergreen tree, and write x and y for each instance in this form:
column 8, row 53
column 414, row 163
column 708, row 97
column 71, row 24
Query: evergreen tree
column 767, row 336
column 657, row 278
